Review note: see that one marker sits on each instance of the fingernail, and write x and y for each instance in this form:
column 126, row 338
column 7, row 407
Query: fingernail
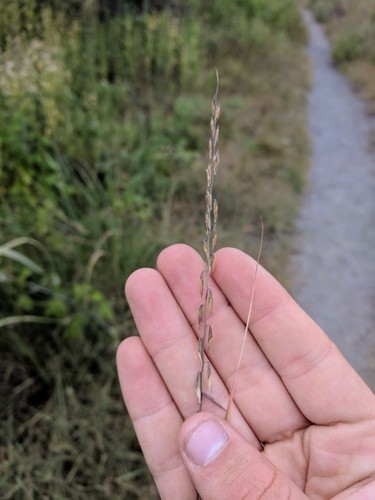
column 206, row 442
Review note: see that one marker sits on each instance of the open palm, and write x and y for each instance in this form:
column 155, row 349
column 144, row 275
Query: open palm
column 303, row 423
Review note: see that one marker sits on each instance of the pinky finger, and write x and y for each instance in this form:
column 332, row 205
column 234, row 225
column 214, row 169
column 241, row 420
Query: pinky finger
column 155, row 417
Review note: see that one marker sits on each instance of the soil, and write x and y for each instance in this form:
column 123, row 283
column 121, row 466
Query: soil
column 333, row 261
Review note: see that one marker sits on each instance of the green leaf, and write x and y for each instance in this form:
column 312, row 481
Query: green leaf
column 75, row 329
column 106, row 311
column 24, row 302
column 56, row 308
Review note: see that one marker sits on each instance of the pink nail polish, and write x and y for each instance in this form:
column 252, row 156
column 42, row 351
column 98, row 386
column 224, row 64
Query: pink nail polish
column 206, row 442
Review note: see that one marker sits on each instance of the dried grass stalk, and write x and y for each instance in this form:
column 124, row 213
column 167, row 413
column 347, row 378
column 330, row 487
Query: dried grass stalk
column 209, row 241
column 246, row 330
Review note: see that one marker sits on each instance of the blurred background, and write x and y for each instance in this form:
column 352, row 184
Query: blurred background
column 104, row 123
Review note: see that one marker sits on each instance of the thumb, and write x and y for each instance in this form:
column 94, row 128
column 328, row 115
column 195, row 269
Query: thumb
column 222, row 464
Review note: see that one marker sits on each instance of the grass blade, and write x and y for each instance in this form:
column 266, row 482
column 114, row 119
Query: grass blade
column 21, row 259
column 25, row 318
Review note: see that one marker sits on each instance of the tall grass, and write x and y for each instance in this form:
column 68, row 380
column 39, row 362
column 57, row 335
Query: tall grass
column 102, row 140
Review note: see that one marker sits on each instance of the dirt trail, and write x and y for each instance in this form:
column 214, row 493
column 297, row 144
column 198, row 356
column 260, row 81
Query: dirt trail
column 333, row 263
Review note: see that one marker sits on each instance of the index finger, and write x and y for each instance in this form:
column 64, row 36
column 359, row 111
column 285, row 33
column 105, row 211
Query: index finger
column 322, row 383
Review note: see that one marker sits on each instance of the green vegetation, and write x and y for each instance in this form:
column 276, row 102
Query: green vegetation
column 351, row 27
column 104, row 118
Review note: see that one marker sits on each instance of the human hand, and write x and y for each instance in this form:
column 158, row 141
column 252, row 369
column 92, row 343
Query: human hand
column 303, row 424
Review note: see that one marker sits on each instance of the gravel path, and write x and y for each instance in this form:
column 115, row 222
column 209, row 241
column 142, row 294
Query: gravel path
column 333, row 263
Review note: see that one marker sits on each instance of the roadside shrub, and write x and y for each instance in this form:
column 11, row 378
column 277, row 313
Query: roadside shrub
column 324, row 9
column 351, row 27
column 348, row 47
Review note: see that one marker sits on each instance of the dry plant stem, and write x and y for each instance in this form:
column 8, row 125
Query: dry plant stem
column 209, row 241
column 231, row 395
column 211, row 215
